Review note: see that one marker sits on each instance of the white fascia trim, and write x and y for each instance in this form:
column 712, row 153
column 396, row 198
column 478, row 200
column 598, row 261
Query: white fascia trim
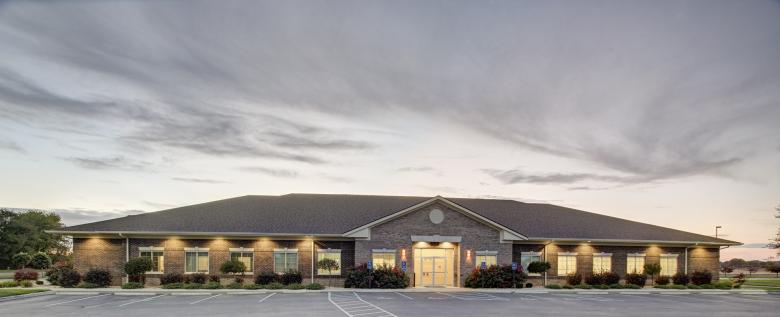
column 427, row 202
column 147, row 249
column 567, row 253
column 285, row 250
column 242, row 250
column 486, row 252
column 364, row 233
column 197, row 249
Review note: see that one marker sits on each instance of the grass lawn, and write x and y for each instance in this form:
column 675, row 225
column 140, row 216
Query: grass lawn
column 767, row 282
column 19, row 291
column 6, row 274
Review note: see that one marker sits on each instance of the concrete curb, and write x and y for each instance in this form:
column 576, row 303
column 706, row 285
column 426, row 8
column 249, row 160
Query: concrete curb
column 8, row 298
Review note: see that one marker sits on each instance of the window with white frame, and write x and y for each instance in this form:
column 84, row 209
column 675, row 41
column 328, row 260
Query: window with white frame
column 528, row 257
column 489, row 258
column 244, row 255
column 635, row 263
column 334, row 254
column 285, row 260
column 668, row 264
column 196, row 260
column 383, row 257
column 567, row 263
column 602, row 262
column 156, row 255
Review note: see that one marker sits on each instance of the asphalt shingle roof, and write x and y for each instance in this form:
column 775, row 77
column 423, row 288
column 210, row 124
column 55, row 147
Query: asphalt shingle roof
column 336, row 214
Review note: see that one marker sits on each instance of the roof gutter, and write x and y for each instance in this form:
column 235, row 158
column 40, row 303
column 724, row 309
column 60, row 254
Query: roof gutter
column 193, row 233
column 725, row 242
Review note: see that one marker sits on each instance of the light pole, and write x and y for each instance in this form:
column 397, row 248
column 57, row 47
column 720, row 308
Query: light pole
column 716, row 230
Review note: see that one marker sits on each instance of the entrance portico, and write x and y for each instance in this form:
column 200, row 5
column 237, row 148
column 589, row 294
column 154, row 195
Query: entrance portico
column 435, row 261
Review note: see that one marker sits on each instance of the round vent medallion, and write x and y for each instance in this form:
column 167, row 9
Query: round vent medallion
column 436, row 216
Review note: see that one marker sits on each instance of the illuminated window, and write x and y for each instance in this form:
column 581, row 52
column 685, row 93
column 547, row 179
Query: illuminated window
column 635, row 263
column 285, row 260
column 196, row 260
column 383, row 257
column 668, row 264
column 156, row 255
column 602, row 262
column 245, row 256
column 528, row 257
column 567, row 263
column 334, row 254
column 489, row 258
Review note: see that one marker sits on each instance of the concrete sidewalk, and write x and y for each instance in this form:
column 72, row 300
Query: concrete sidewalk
column 536, row 290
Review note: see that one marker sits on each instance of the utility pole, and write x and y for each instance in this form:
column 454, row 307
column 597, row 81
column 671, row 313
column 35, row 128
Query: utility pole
column 716, row 230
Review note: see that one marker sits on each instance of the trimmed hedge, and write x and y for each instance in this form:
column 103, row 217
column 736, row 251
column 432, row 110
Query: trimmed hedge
column 701, row 277
column 68, row 278
column 662, row 280
column 26, row 275
column 574, row 279
column 638, row 279
column 132, row 285
column 381, row 277
column 496, row 276
column 315, row 286
column 680, row 279
column 171, row 278
column 604, row 278
column 291, row 277
column 265, row 278
column 98, row 276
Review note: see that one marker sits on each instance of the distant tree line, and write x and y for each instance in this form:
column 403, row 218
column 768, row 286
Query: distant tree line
column 23, row 232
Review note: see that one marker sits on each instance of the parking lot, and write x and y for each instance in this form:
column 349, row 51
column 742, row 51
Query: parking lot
column 340, row 304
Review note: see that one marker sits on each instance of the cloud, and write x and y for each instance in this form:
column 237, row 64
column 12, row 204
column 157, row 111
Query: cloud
column 198, row 180
column 416, row 169
column 109, row 163
column 276, row 172
column 157, row 205
column 11, row 146
column 516, row 176
column 74, row 216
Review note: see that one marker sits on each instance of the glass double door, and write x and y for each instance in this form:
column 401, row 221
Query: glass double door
column 434, row 267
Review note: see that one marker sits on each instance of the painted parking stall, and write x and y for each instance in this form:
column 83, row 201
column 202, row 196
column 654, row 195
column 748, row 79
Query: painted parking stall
column 353, row 305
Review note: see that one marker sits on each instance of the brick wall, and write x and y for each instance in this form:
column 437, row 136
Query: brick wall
column 98, row 252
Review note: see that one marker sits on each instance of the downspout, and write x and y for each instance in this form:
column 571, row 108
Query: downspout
column 312, row 260
column 544, row 250
column 686, row 260
column 127, row 252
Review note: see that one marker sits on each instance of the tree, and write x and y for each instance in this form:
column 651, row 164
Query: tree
column 538, row 267
column 752, row 269
column 652, row 269
column 20, row 260
column 137, row 268
column 329, row 265
column 40, row 261
column 775, row 243
column 233, row 267
column 774, row 268
column 726, row 270
column 25, row 232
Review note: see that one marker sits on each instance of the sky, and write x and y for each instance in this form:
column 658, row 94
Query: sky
column 664, row 112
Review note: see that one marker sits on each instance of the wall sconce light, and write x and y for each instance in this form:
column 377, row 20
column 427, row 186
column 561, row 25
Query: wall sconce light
column 403, row 254
column 468, row 255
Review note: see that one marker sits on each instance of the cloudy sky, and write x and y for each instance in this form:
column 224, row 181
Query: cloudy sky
column 666, row 112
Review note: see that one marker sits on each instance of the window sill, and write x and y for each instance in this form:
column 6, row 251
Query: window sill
column 150, row 273
column 195, row 272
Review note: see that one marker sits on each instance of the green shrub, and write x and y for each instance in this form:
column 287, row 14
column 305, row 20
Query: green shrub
column 251, row 286
column 98, row 276
column 315, row 286
column 87, row 285
column 265, row 278
column 694, row 286
column 172, row 285
column 26, row 275
column 68, row 278
column 53, row 274
column 529, row 285
column 661, row 286
column 170, row 278
column 615, row 285
column 574, row 279
column 214, row 278
column 652, row 269
column 662, row 280
column 638, row 279
column 632, row 286
column 132, row 285
column 26, row 283
column 20, row 260
column 291, row 277
column 197, row 278
column 675, row 286
column 40, row 261
column 723, row 284
column 212, row 285
column 193, row 286
column 538, row 267
column 233, row 267
column 136, row 268
column 9, row 284
column 706, row 286
column 583, row 286
column 274, row 285
column 567, row 286
column 601, row 286
column 603, row 278
column 701, row 277
column 234, row 285
column 238, row 279
column 680, row 279
column 381, row 277
column 495, row 276
column 296, row 286
column 553, row 286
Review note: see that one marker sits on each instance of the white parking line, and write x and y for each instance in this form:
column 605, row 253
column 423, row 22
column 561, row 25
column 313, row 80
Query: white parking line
column 264, row 298
column 402, row 295
column 353, row 305
column 474, row 296
column 200, row 300
column 141, row 300
column 76, row 300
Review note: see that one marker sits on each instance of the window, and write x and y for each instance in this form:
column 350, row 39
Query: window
column 285, row 260
column 528, row 257
column 567, row 263
column 602, row 262
column 196, row 260
column 668, row 264
column 156, row 255
column 329, row 254
column 488, row 257
column 635, row 263
column 245, row 256
column 383, row 257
